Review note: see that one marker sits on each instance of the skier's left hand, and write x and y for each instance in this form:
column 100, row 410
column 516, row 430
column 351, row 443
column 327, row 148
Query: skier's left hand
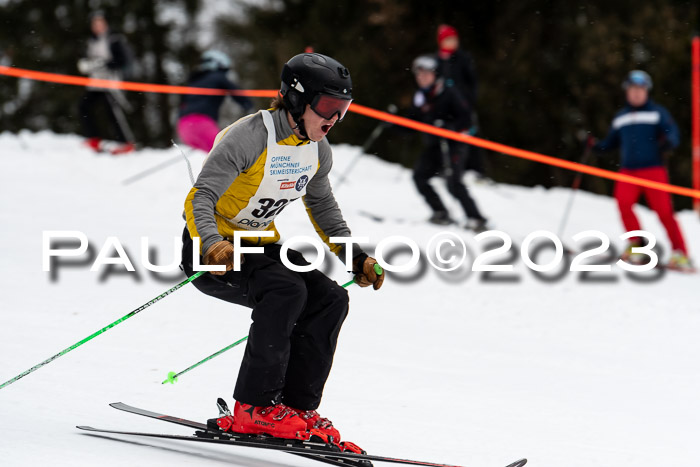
column 365, row 274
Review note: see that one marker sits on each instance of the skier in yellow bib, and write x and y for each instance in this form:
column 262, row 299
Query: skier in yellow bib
column 259, row 165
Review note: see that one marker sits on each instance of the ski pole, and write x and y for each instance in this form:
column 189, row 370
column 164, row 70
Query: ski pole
column 377, row 269
column 158, row 167
column 106, row 328
column 370, row 140
column 118, row 104
column 151, row 170
column 446, row 171
column 575, row 186
column 187, row 161
column 172, row 376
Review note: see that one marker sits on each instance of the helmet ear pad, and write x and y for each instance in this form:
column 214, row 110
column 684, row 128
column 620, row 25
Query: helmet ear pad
column 294, row 101
column 294, row 98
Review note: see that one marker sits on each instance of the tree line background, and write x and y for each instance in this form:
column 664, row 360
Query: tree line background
column 548, row 71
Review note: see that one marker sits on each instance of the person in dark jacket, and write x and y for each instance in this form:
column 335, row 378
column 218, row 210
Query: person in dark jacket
column 199, row 114
column 456, row 67
column 107, row 57
column 440, row 105
column 644, row 131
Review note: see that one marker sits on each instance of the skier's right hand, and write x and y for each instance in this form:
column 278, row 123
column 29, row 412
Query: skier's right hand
column 220, row 254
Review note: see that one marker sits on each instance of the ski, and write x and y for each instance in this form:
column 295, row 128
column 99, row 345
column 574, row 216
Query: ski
column 669, row 267
column 309, row 448
column 201, row 426
column 383, row 218
column 158, row 416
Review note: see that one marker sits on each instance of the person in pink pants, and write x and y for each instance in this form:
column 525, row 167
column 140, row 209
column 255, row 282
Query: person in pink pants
column 198, row 115
column 198, row 131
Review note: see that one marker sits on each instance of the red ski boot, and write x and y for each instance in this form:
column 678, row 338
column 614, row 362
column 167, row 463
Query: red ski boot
column 315, row 422
column 278, row 420
column 347, row 446
column 94, row 143
column 123, row 148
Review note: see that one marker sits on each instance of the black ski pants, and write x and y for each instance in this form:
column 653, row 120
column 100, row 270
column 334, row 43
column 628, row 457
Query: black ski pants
column 296, row 320
column 431, row 162
column 89, row 109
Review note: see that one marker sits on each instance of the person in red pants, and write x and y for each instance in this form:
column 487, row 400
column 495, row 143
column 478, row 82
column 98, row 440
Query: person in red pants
column 644, row 131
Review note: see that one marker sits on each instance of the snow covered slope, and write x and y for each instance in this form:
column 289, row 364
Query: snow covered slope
column 447, row 368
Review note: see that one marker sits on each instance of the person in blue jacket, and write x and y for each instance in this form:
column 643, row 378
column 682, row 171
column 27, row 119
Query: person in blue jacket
column 643, row 131
column 198, row 116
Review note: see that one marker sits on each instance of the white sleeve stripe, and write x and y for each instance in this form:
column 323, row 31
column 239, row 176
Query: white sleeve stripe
column 637, row 118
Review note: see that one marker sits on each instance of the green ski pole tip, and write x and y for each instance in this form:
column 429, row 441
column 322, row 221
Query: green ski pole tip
column 378, row 269
column 172, row 379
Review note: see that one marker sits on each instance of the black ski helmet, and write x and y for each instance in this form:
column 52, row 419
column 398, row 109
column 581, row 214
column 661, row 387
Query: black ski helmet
column 306, row 75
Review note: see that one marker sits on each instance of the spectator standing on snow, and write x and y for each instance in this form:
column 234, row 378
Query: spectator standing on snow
column 436, row 104
column 456, row 67
column 198, row 115
column 107, row 56
column 644, row 131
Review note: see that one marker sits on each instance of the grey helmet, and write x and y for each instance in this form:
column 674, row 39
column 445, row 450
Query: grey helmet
column 213, row 60
column 638, row 78
column 425, row 62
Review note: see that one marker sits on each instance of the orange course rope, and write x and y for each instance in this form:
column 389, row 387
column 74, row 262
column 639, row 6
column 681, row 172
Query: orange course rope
column 521, row 153
column 362, row 110
column 125, row 85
